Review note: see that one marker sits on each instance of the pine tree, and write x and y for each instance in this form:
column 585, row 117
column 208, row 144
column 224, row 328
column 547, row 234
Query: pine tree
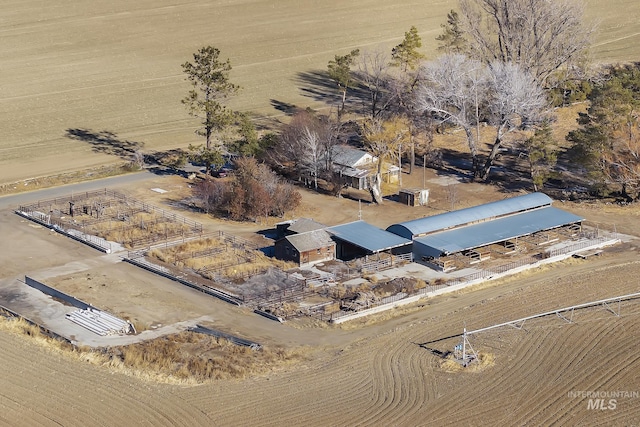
column 339, row 70
column 452, row 39
column 542, row 154
column 406, row 54
column 209, row 77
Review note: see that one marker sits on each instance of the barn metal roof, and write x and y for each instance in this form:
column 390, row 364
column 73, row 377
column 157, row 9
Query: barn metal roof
column 367, row 236
column 486, row 233
column 460, row 217
column 353, row 173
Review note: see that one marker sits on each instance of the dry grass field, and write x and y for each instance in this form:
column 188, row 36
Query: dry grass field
column 72, row 71
column 80, row 68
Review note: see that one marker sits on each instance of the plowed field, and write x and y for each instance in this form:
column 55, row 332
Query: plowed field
column 85, row 67
column 383, row 376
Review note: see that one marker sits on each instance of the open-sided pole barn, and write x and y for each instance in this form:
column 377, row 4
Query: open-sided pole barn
column 471, row 229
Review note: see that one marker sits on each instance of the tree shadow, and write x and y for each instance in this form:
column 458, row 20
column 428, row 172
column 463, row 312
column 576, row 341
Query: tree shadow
column 265, row 123
column 286, row 107
column 317, row 85
column 105, row 142
column 456, row 163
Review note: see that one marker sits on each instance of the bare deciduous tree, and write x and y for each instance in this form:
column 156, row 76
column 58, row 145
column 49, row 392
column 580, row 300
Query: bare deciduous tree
column 450, row 90
column 211, row 194
column 288, row 154
column 305, row 145
column 538, row 35
column 382, row 139
column 253, row 192
column 373, row 77
column 514, row 100
column 312, row 153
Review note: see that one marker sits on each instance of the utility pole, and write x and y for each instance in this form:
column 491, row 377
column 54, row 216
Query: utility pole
column 464, row 347
column 400, row 165
column 424, row 171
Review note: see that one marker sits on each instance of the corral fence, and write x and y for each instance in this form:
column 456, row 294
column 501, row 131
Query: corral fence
column 262, row 303
column 296, row 291
column 357, row 267
column 215, row 270
column 238, row 242
column 320, row 280
column 579, row 245
column 231, row 338
column 597, row 239
column 371, row 266
column 51, row 212
column 130, row 201
column 141, row 262
column 61, row 227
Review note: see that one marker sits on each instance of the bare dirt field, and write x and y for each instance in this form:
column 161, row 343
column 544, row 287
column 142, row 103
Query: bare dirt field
column 73, row 70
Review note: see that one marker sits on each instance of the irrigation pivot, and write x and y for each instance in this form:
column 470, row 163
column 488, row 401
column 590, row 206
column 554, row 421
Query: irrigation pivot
column 465, row 354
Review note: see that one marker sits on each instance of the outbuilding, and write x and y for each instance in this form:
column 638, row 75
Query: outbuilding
column 359, row 239
column 468, row 230
column 413, row 196
column 306, row 248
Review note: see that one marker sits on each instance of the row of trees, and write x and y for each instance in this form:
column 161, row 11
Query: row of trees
column 501, row 58
column 501, row 62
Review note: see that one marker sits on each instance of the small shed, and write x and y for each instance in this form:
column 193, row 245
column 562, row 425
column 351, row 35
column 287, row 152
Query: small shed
column 414, row 197
column 306, row 248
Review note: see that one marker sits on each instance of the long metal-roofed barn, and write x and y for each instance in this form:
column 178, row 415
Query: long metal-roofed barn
column 483, row 225
column 359, row 238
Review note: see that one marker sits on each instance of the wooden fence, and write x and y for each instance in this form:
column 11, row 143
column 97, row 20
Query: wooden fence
column 481, row 274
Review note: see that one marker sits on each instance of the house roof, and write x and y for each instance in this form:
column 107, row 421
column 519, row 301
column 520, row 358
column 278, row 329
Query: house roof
column 367, row 236
column 303, row 225
column 352, row 172
column 474, row 214
column 498, row 230
column 347, row 156
column 310, row 240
